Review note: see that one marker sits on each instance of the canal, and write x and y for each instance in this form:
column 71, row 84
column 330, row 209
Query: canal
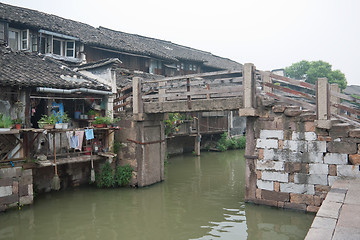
column 202, row 198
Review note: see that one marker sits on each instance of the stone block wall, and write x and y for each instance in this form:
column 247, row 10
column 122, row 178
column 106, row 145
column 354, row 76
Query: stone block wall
column 297, row 163
column 16, row 187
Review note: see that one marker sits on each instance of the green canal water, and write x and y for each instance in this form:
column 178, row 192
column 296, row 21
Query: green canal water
column 202, row 198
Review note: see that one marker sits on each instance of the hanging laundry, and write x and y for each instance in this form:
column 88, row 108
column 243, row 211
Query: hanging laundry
column 69, row 134
column 89, row 134
column 80, row 134
column 74, row 141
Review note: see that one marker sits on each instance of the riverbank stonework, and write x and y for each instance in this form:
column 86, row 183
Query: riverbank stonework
column 16, row 187
column 297, row 163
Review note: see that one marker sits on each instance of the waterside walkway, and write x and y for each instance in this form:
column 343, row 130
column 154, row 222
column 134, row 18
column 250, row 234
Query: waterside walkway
column 339, row 215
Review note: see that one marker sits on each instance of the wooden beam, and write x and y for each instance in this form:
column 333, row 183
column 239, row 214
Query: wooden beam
column 207, row 74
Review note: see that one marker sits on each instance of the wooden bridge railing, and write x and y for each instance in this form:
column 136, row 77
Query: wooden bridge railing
column 322, row 98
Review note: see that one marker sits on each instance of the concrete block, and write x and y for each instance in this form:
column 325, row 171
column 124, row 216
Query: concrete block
column 302, row 198
column 10, row 172
column 272, row 134
column 342, row 147
column 265, row 185
column 265, row 202
column 309, row 126
column 329, row 210
column 354, row 159
column 15, row 186
column 348, row 171
column 334, row 197
column 26, row 200
column 23, row 190
column 6, row 191
column 312, row 209
column 316, row 146
column 26, row 180
column 348, row 233
column 332, row 170
column 355, row 133
column 8, row 199
column 318, row 233
column 6, row 182
column 290, row 156
column 325, row 223
column 27, row 172
column 267, row 143
column 270, row 165
column 275, row 176
column 310, row 178
column 297, row 188
column 296, row 206
column 276, row 186
column 295, row 146
column 307, row 136
column 332, row 179
column 318, row 168
column 276, row 196
column 336, row 158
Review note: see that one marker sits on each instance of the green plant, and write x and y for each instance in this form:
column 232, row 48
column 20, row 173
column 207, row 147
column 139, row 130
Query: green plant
column 123, row 175
column 226, row 143
column 17, row 121
column 117, row 146
column 105, row 120
column 91, row 112
column 52, row 119
column 173, row 122
column 105, row 178
column 5, row 121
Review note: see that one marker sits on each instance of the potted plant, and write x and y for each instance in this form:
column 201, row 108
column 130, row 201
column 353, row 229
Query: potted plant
column 5, row 123
column 17, row 122
column 91, row 114
column 62, row 120
column 47, row 122
column 101, row 122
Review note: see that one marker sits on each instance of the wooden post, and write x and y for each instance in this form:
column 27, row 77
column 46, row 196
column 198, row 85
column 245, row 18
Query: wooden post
column 162, row 91
column 188, row 90
column 323, row 104
column 137, row 95
column 249, row 94
column 334, row 87
column 197, row 138
column 267, row 79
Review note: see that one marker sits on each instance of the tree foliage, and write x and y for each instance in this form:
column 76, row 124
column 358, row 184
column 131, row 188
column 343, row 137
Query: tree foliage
column 311, row 71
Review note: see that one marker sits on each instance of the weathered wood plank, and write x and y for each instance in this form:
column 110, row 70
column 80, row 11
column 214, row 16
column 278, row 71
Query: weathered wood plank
column 207, row 74
column 292, row 101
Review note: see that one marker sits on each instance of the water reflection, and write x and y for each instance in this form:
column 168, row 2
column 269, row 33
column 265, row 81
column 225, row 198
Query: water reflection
column 202, row 198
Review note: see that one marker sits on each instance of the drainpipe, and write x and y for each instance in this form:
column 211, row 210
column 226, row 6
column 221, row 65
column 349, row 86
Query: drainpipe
column 70, row 91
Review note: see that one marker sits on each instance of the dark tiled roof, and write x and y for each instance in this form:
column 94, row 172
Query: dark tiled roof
column 31, row 70
column 104, row 37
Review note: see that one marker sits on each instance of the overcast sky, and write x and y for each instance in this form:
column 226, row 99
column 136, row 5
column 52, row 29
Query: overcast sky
column 271, row 34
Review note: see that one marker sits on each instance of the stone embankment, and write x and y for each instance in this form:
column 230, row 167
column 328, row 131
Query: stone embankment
column 16, row 187
column 297, row 162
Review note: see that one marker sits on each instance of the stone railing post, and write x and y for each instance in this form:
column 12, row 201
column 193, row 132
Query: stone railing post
column 334, row 87
column 323, row 104
column 267, row 79
column 249, row 94
column 137, row 95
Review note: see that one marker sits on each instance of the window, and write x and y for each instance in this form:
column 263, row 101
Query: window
column 70, row 49
column 34, row 43
column 194, row 68
column 190, row 67
column 25, row 39
column 14, row 39
column 182, row 66
column 57, row 47
column 177, row 67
